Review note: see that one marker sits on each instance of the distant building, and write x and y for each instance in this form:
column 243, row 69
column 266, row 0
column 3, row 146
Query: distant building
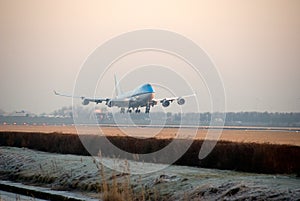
column 21, row 113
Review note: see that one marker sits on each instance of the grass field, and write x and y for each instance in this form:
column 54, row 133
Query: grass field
column 288, row 137
column 250, row 151
column 87, row 176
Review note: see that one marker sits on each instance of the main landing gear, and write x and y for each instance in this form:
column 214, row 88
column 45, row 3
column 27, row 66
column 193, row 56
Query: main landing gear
column 130, row 110
column 137, row 110
column 147, row 109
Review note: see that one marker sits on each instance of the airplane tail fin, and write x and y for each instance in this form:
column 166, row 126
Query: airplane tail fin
column 118, row 90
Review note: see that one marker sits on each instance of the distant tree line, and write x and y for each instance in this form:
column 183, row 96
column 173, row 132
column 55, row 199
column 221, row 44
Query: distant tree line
column 264, row 118
column 65, row 115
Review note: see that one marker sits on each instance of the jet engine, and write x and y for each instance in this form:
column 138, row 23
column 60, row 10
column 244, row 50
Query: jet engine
column 180, row 101
column 165, row 103
column 109, row 103
column 85, row 102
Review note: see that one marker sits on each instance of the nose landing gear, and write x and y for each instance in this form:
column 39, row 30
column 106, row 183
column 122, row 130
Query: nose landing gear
column 122, row 110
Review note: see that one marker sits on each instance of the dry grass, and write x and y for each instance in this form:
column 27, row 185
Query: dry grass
column 250, row 157
column 119, row 189
column 245, row 136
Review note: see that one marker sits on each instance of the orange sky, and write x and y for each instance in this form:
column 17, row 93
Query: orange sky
column 254, row 44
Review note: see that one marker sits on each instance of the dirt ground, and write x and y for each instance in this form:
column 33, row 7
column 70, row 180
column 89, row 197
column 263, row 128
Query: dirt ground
column 282, row 136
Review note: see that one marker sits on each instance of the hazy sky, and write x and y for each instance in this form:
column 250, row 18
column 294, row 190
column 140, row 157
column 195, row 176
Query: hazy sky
column 254, row 44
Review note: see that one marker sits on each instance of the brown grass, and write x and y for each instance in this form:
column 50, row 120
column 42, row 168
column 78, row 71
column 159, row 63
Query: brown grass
column 250, row 157
column 245, row 136
column 120, row 189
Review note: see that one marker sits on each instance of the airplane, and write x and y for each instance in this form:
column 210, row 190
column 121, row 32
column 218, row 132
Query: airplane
column 142, row 96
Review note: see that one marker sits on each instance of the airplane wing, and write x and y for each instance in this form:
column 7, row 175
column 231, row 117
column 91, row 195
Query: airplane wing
column 85, row 100
column 166, row 101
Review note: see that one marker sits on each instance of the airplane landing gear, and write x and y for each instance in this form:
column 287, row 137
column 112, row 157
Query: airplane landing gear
column 147, row 109
column 137, row 111
column 122, row 110
column 129, row 111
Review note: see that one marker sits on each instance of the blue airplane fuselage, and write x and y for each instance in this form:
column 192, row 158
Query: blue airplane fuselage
column 139, row 97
